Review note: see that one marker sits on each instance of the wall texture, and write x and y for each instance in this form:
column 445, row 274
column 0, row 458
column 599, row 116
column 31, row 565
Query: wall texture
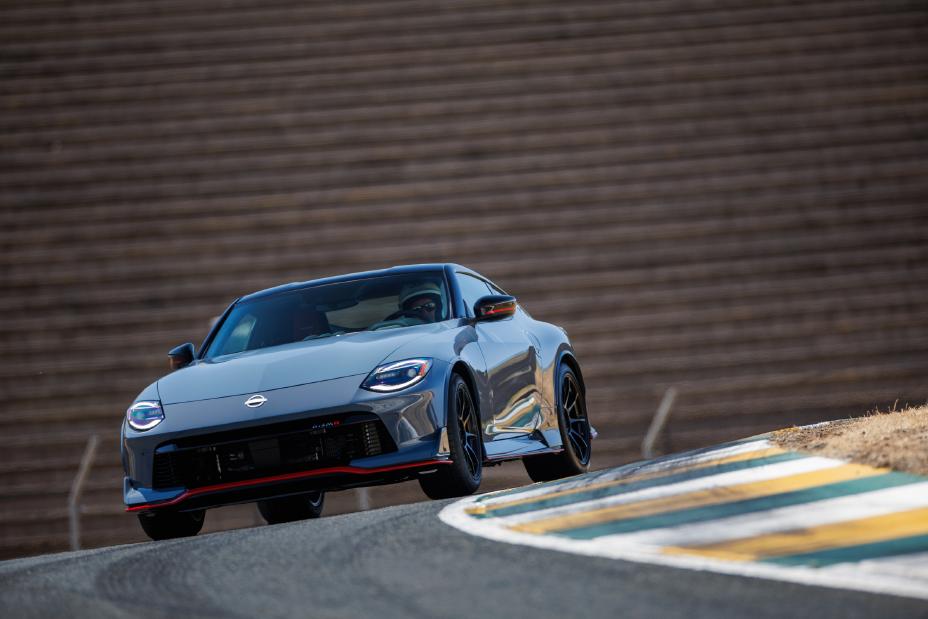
column 726, row 196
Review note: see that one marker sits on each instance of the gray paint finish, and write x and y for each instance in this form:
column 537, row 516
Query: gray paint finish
column 510, row 362
column 287, row 365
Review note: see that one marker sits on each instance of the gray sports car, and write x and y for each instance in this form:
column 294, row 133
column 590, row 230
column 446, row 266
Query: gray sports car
column 427, row 372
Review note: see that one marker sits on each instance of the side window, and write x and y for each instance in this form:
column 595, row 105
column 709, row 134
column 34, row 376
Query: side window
column 238, row 339
column 472, row 289
column 496, row 289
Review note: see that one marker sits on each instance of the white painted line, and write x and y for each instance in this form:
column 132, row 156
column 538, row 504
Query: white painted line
column 720, row 480
column 829, row 511
column 624, row 471
column 913, row 565
column 884, row 582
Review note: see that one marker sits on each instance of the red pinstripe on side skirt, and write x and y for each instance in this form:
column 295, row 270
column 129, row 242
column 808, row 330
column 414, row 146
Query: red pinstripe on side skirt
column 351, row 470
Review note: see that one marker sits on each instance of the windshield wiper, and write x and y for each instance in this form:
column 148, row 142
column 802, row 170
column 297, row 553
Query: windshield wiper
column 322, row 335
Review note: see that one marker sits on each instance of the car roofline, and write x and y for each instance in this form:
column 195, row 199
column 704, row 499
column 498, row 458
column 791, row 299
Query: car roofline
column 395, row 270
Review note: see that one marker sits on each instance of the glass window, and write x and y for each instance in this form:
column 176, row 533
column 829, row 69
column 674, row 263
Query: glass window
column 472, row 289
column 496, row 289
column 373, row 303
column 238, row 338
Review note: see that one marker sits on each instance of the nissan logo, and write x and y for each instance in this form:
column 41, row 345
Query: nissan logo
column 255, row 401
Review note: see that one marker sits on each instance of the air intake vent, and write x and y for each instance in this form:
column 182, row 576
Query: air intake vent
column 268, row 450
column 163, row 475
column 371, row 439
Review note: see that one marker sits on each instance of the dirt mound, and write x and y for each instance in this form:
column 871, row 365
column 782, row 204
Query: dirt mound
column 896, row 439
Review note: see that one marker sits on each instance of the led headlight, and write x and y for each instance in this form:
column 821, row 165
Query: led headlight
column 144, row 415
column 397, row 375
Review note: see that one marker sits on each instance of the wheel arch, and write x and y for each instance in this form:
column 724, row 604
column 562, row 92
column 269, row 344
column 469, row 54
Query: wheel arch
column 567, row 358
column 467, row 373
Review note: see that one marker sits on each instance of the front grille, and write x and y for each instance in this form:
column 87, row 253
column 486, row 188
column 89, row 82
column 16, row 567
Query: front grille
column 164, row 476
column 268, row 450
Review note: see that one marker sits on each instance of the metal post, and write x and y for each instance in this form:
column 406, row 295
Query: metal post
column 77, row 487
column 657, row 424
column 364, row 499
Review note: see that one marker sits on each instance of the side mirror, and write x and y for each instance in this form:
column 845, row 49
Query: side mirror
column 494, row 307
column 181, row 356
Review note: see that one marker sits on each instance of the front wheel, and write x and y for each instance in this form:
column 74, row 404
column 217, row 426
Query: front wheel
column 575, row 433
column 292, row 508
column 168, row 525
column 463, row 475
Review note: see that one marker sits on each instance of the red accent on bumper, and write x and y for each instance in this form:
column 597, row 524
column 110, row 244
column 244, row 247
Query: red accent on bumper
column 352, row 470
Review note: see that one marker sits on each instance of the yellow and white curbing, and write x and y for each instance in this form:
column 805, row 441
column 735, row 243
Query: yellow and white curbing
column 747, row 508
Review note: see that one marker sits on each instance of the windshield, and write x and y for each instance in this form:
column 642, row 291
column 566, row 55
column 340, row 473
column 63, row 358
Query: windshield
column 368, row 304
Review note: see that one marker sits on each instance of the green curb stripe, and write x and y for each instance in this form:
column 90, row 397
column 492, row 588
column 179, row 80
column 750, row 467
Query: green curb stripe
column 850, row 554
column 626, row 469
column 683, row 459
column 599, row 493
column 622, row 471
column 735, row 508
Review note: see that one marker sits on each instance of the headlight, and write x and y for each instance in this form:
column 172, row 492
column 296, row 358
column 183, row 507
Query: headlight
column 144, row 415
column 397, row 375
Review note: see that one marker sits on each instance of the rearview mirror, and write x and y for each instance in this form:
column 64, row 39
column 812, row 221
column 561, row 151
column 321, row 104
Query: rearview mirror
column 494, row 307
column 181, row 356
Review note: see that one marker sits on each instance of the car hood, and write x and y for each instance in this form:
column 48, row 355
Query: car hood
column 288, row 365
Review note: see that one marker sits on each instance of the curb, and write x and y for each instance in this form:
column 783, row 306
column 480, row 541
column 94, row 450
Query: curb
column 747, row 507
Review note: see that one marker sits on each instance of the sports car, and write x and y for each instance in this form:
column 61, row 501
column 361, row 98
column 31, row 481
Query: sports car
column 428, row 372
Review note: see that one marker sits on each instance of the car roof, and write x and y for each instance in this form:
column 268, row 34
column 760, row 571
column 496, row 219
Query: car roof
column 396, row 270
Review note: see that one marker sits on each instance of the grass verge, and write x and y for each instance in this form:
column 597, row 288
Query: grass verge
column 894, row 439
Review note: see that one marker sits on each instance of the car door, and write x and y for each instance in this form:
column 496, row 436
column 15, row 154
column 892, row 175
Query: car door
column 512, row 371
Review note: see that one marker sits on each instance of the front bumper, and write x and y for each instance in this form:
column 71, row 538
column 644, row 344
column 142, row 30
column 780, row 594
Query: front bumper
column 410, row 426
column 246, row 491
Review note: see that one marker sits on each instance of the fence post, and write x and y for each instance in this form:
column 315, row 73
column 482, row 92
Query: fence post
column 657, row 424
column 77, row 487
column 364, row 499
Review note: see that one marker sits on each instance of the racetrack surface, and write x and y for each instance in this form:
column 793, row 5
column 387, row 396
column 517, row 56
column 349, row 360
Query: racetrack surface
column 398, row 562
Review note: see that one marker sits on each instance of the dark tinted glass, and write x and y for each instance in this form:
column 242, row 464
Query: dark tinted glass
column 389, row 302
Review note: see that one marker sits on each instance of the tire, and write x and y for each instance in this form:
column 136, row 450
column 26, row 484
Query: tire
column 463, row 475
column 168, row 525
column 292, row 508
column 575, row 433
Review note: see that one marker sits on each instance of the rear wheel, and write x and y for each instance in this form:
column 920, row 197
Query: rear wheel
column 575, row 433
column 291, row 508
column 463, row 475
column 168, row 525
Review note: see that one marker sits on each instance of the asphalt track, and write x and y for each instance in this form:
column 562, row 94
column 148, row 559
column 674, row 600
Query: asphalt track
column 398, row 562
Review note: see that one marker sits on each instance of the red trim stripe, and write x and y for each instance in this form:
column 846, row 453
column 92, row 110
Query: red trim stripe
column 351, row 470
column 500, row 310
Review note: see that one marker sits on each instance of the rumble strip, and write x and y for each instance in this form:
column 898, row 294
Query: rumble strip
column 746, row 508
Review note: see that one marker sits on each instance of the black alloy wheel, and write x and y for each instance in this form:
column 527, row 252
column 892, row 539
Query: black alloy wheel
column 462, row 476
column 292, row 508
column 576, row 434
column 168, row 525
column 469, row 430
column 578, row 426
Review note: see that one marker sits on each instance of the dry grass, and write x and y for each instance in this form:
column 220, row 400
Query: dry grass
column 895, row 439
